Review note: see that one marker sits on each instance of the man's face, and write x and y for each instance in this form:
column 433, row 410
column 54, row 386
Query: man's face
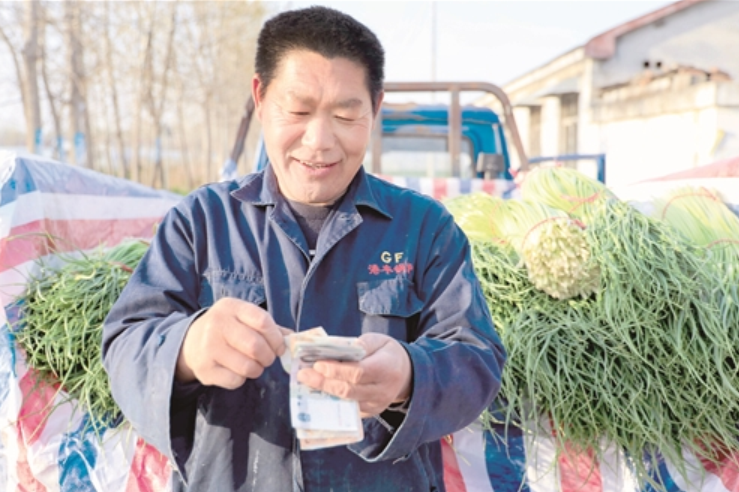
column 317, row 120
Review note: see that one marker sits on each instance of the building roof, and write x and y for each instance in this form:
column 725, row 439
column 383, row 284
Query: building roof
column 570, row 85
column 725, row 168
column 603, row 46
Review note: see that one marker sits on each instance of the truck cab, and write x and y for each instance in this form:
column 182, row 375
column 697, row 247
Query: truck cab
column 415, row 143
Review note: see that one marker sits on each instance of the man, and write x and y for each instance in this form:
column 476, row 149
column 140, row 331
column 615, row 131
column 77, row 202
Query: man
column 190, row 347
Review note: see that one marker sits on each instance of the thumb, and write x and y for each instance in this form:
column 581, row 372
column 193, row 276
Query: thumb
column 372, row 342
column 285, row 332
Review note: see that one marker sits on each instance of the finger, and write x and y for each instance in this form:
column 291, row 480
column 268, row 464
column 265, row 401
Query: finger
column 370, row 409
column 367, row 395
column 239, row 363
column 260, row 320
column 286, row 332
column 220, row 376
column 372, row 342
column 351, row 372
column 275, row 338
column 252, row 344
column 311, row 378
column 342, row 389
column 315, row 380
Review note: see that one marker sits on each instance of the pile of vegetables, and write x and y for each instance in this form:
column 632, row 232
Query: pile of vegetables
column 61, row 319
column 633, row 337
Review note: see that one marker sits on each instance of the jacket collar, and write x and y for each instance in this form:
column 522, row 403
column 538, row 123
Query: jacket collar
column 261, row 189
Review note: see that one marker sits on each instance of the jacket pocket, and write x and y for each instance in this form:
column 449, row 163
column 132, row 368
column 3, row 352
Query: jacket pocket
column 218, row 284
column 390, row 297
column 390, row 307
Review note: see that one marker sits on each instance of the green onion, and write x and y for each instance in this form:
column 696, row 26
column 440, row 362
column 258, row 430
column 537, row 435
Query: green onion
column 61, row 319
column 645, row 364
column 566, row 189
column 473, row 213
column 551, row 245
column 703, row 217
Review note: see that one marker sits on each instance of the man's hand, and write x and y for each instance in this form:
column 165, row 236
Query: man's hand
column 383, row 377
column 231, row 342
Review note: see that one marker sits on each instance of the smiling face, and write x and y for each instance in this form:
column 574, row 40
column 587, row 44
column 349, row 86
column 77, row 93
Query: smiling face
column 317, row 119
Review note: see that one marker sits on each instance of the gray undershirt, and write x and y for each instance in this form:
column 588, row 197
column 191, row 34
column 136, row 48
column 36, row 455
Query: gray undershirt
column 310, row 219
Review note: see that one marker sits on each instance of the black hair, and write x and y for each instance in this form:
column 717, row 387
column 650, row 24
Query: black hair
column 325, row 31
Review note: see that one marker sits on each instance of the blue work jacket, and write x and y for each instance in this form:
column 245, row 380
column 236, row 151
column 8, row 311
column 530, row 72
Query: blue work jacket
column 388, row 260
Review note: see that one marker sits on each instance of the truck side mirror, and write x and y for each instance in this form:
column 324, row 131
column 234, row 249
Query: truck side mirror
column 490, row 165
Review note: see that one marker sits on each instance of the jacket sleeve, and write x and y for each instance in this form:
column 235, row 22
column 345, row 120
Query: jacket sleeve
column 457, row 357
column 142, row 336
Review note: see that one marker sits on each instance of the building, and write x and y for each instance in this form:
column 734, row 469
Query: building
column 657, row 94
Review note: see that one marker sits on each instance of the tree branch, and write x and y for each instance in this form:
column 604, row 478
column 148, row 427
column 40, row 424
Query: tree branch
column 13, row 53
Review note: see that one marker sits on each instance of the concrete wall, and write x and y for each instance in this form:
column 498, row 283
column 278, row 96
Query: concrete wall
column 588, row 138
column 521, row 114
column 726, row 143
column 647, row 133
column 658, row 98
column 563, row 67
column 642, row 148
column 705, row 35
column 550, row 116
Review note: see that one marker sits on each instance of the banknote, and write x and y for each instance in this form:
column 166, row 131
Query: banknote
column 321, row 420
column 314, row 344
column 321, row 439
column 291, row 341
column 330, row 348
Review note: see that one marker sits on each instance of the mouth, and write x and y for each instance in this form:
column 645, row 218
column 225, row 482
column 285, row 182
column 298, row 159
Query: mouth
column 316, row 165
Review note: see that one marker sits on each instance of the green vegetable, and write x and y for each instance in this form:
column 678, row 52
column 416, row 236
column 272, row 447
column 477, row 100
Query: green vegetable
column 566, row 189
column 61, row 319
column 474, row 214
column 703, row 217
column 705, row 220
column 551, row 245
column 557, row 256
column 645, row 364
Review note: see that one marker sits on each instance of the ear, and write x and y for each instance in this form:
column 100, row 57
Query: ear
column 379, row 104
column 256, row 88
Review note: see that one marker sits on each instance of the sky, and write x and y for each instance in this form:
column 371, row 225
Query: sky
column 486, row 41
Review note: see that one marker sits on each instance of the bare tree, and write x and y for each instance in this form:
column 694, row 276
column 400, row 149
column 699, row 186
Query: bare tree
column 181, row 127
column 52, row 98
column 155, row 102
column 203, row 67
column 133, row 77
column 79, row 110
column 25, row 60
column 113, row 86
column 146, row 19
column 219, row 64
column 30, row 59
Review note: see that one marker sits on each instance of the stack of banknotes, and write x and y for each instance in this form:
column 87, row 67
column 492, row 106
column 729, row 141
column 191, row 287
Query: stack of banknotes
column 321, row 420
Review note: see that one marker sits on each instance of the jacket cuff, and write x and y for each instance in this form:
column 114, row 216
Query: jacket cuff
column 384, row 442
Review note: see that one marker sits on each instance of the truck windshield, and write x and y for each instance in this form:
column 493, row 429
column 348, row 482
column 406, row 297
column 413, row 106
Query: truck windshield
column 421, row 156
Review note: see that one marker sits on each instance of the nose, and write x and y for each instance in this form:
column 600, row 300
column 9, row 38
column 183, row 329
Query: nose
column 319, row 133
